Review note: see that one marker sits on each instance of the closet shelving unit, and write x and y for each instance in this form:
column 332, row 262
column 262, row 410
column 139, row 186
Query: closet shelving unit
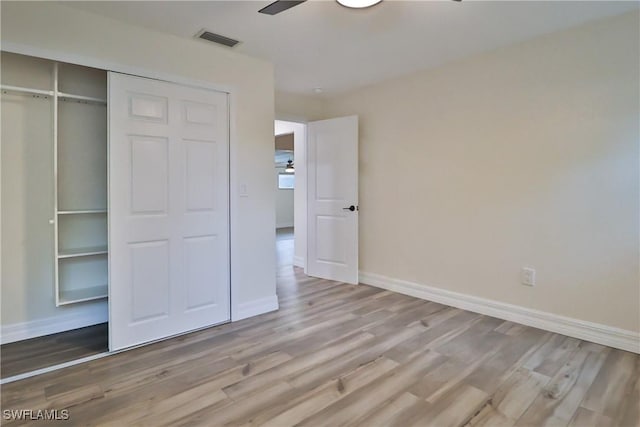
column 80, row 150
column 79, row 220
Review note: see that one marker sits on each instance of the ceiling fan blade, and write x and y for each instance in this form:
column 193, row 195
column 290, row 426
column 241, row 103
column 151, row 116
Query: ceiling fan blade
column 280, row 6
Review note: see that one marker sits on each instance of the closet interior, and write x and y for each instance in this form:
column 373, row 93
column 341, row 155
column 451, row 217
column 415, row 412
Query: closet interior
column 54, row 210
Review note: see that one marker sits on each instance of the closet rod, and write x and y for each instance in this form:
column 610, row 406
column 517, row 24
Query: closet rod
column 61, row 96
column 70, row 97
column 19, row 89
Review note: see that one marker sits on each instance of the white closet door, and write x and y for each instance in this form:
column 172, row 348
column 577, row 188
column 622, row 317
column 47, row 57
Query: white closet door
column 168, row 209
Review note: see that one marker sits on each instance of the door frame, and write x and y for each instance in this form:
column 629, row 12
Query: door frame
column 302, row 263
column 230, row 90
column 300, row 161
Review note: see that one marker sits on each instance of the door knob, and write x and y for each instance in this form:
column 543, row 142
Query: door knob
column 350, row 208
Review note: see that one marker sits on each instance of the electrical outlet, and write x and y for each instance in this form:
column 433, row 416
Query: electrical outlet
column 528, row 276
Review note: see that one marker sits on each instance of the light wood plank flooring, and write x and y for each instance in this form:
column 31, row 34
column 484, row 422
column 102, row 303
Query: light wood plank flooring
column 337, row 354
column 30, row 355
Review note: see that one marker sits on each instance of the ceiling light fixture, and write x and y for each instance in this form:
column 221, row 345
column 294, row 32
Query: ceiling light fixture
column 289, row 168
column 358, row 4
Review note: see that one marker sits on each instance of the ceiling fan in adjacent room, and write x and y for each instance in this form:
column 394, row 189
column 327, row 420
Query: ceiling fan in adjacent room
column 282, row 5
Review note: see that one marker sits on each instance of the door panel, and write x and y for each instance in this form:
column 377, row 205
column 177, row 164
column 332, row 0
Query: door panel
column 148, row 107
column 169, row 209
column 149, row 175
column 328, row 248
column 149, row 280
column 332, row 251
column 200, row 272
column 200, row 164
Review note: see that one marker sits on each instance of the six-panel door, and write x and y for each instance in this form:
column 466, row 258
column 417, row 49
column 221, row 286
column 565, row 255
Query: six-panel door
column 168, row 209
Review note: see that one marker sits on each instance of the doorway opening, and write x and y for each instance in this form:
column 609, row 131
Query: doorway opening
column 325, row 198
column 285, row 181
column 290, row 187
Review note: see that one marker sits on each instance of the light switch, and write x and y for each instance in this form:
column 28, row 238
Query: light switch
column 528, row 276
column 244, row 192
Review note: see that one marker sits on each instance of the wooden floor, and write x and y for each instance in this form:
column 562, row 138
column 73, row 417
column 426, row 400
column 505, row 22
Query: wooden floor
column 30, row 355
column 285, row 233
column 337, row 354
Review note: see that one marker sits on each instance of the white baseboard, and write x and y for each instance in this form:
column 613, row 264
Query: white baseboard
column 76, row 317
column 298, row 261
column 588, row 331
column 253, row 308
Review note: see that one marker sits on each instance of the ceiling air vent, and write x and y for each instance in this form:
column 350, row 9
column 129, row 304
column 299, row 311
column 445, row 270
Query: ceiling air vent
column 217, row 38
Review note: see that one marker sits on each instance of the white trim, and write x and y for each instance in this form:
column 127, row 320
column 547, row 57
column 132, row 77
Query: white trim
column 235, row 253
column 298, row 261
column 110, row 337
column 81, row 317
column 53, row 368
column 96, row 356
column 55, row 113
column 253, row 308
column 582, row 329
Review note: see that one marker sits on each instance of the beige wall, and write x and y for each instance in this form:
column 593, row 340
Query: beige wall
column 299, row 108
column 48, row 27
column 526, row 156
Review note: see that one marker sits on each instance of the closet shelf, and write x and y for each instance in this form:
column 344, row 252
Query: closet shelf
column 25, row 90
column 80, row 252
column 61, row 95
column 84, row 294
column 89, row 99
column 82, row 211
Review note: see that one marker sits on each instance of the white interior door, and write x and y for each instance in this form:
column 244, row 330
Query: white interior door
column 332, row 199
column 168, row 209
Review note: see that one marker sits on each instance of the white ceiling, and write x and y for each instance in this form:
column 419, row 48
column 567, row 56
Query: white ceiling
column 322, row 44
